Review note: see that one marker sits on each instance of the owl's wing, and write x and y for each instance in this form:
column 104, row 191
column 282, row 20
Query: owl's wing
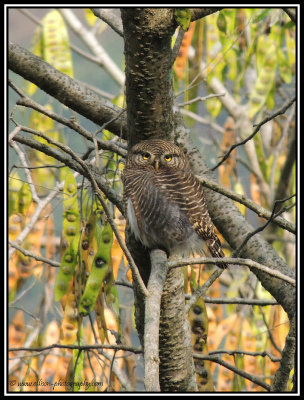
column 146, row 203
column 183, row 188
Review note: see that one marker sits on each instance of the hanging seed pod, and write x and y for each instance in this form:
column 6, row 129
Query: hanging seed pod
column 71, row 234
column 99, row 269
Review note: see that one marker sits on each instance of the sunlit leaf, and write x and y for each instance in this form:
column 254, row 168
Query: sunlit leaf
column 183, row 17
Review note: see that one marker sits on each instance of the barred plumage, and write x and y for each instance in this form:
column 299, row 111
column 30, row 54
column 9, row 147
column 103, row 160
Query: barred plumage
column 164, row 201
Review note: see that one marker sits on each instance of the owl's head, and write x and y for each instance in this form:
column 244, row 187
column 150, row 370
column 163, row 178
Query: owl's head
column 157, row 154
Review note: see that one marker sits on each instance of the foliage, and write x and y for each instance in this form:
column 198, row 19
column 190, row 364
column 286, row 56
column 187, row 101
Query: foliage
column 84, row 297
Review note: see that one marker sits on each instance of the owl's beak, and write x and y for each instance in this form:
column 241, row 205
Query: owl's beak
column 156, row 165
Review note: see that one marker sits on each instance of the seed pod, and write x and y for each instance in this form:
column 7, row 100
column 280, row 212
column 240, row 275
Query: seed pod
column 100, row 266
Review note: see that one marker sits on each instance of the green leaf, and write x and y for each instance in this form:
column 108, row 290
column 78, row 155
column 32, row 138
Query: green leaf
column 90, row 17
column 266, row 64
column 183, row 17
column 263, row 14
column 284, row 66
column 221, row 23
column 15, row 185
column 213, row 106
column 24, row 198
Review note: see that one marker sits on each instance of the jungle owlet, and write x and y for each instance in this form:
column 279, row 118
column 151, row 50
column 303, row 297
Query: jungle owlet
column 165, row 203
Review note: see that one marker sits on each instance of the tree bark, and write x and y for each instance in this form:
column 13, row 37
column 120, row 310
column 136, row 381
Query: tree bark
column 149, row 96
column 149, row 92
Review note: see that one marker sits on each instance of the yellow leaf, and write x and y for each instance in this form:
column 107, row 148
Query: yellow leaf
column 55, row 43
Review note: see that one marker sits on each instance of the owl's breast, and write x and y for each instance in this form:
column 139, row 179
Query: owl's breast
column 157, row 221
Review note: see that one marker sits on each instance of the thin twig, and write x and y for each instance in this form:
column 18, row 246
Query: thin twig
column 246, row 353
column 237, row 252
column 39, row 209
column 113, row 196
column 33, row 255
column 117, row 347
column 21, row 156
column 199, row 292
column 200, row 98
column 280, row 111
column 240, row 300
column 236, row 370
column 231, row 260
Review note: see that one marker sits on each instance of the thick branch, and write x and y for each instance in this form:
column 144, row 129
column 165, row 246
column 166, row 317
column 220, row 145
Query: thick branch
column 65, row 89
column 292, row 13
column 287, row 363
column 198, row 13
column 175, row 346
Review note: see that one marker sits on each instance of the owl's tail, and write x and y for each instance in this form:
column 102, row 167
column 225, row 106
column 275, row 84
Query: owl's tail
column 215, row 249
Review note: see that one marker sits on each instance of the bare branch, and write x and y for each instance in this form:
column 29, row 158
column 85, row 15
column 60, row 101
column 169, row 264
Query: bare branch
column 231, row 260
column 236, row 370
column 152, row 318
column 177, row 44
column 200, row 98
column 136, row 350
column 26, row 170
column 199, row 292
column 246, row 353
column 110, row 18
column 198, row 13
column 40, row 207
column 90, row 40
column 288, row 361
column 33, row 255
column 291, row 12
column 240, row 300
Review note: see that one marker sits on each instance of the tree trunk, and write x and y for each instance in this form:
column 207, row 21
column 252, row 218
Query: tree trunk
column 149, row 96
column 149, row 92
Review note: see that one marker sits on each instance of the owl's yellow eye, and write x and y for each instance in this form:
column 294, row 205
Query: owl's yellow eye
column 168, row 157
column 146, row 156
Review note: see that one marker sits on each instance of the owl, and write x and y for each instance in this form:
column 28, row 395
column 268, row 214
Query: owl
column 165, row 203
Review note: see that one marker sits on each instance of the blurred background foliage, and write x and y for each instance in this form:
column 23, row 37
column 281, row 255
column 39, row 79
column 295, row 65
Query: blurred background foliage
column 85, row 296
